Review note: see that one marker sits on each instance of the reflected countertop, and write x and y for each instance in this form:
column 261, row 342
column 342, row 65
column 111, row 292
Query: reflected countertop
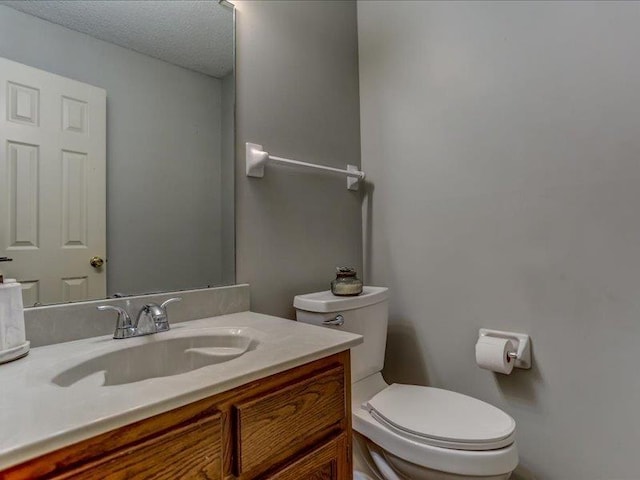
column 37, row 416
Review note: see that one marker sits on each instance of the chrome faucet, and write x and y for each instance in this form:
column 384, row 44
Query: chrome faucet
column 152, row 318
column 155, row 316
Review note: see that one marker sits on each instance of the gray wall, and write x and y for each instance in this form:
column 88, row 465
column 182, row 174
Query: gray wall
column 297, row 95
column 503, row 142
column 163, row 154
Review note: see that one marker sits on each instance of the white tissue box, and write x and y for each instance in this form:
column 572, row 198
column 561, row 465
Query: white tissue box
column 11, row 316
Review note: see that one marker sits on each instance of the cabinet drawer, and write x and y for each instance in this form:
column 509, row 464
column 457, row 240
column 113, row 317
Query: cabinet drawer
column 191, row 451
column 327, row 462
column 277, row 426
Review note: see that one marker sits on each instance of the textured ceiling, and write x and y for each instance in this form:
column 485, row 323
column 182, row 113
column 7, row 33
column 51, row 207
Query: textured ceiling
column 193, row 34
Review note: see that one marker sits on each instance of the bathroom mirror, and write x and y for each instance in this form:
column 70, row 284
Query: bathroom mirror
column 117, row 133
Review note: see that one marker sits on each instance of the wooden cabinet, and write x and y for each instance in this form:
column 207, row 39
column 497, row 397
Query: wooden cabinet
column 295, row 425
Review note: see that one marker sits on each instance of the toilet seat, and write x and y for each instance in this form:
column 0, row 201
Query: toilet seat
column 441, row 418
column 469, row 463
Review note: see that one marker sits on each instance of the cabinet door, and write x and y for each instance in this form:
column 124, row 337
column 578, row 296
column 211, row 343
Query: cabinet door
column 279, row 425
column 192, row 451
column 330, row 461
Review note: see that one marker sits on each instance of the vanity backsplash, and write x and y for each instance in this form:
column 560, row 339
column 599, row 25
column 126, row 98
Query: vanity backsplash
column 72, row 321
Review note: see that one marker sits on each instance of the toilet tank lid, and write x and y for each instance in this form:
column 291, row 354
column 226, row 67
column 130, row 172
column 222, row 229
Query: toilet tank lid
column 325, row 302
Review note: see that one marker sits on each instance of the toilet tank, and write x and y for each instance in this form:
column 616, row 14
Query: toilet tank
column 365, row 314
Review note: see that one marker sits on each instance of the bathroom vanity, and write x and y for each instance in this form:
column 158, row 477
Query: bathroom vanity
column 280, row 410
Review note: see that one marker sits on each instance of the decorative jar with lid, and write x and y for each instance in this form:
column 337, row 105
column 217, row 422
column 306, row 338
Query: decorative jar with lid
column 346, row 283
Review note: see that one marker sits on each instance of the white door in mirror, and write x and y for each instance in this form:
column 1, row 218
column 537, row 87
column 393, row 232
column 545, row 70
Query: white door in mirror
column 52, row 178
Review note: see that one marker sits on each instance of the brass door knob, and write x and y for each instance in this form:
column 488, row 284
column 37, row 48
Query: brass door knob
column 96, row 262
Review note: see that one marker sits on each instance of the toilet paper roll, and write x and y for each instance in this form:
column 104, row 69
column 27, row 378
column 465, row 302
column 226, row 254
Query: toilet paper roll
column 491, row 354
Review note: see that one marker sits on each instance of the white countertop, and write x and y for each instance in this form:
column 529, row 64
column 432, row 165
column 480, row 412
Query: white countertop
column 38, row 416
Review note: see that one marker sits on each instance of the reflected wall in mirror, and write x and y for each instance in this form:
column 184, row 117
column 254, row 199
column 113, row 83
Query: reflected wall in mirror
column 116, row 156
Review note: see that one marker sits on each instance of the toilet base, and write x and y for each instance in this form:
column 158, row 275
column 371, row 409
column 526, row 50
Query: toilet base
column 363, row 466
column 373, row 462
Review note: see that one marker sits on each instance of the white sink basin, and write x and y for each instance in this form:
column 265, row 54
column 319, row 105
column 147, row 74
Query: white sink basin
column 158, row 356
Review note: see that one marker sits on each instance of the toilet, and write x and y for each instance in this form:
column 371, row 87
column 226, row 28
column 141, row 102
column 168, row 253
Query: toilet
column 409, row 432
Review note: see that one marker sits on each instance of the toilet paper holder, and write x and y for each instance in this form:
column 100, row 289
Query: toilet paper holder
column 522, row 355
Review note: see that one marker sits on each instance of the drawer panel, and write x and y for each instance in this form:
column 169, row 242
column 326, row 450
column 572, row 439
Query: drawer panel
column 278, row 425
column 327, row 462
column 193, row 451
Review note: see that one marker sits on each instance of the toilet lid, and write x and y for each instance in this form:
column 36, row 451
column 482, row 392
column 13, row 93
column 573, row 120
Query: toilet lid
column 442, row 418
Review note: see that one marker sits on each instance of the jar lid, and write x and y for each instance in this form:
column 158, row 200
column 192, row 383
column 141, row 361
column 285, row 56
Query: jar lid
column 346, row 272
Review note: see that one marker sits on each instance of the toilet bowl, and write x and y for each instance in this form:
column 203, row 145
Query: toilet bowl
column 409, row 432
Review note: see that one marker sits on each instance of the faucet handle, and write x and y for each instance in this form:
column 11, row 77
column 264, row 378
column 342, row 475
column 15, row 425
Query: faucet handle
column 162, row 320
column 124, row 327
column 171, row 300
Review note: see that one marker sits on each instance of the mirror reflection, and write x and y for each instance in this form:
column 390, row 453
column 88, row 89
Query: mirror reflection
column 116, row 164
